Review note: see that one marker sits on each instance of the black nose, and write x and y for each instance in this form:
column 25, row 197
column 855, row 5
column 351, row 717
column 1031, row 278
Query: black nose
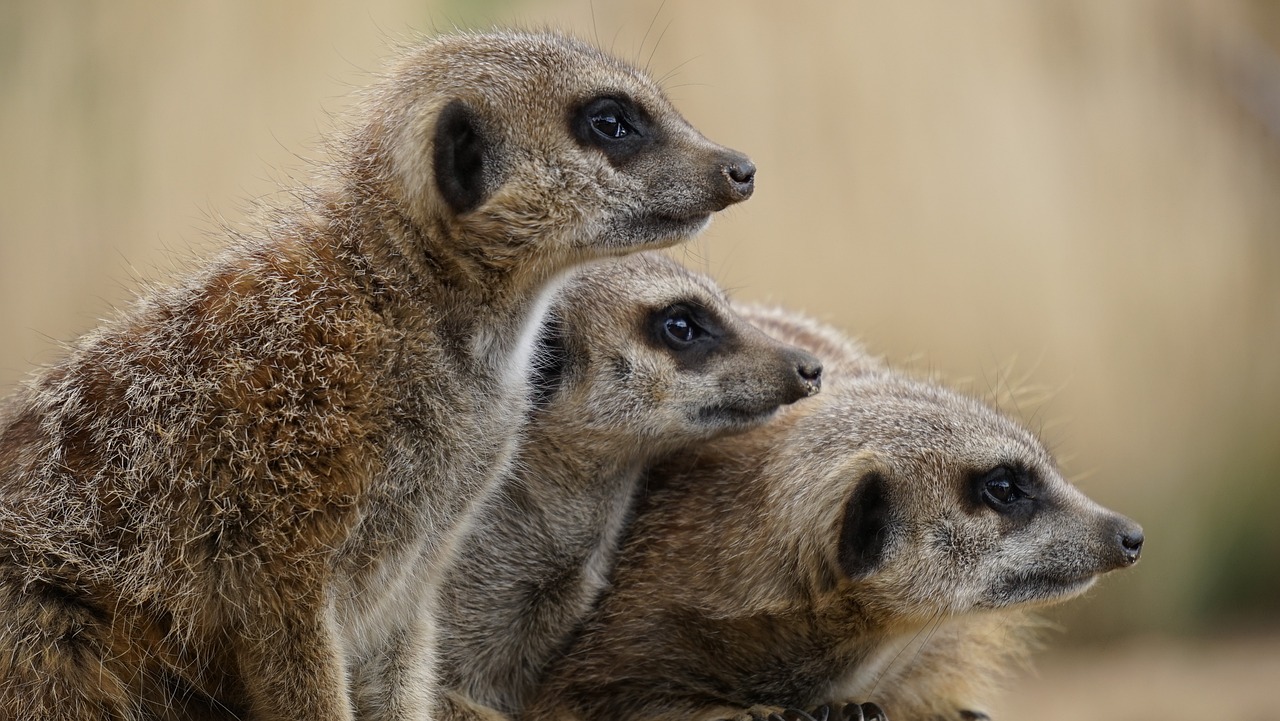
column 811, row 371
column 1129, row 534
column 806, row 378
column 743, row 173
column 740, row 173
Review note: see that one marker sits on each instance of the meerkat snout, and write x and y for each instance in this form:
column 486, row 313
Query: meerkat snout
column 1129, row 537
column 740, row 174
column 651, row 151
column 755, row 374
column 809, row 368
column 803, row 375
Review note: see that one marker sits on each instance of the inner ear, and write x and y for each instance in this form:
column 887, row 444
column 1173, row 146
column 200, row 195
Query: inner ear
column 863, row 533
column 458, row 157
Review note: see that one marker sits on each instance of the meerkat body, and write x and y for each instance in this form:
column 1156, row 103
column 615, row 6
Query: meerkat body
column 639, row 359
column 239, row 496
column 810, row 561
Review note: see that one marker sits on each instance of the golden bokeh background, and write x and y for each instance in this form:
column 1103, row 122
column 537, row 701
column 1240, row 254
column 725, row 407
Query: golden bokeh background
column 1073, row 207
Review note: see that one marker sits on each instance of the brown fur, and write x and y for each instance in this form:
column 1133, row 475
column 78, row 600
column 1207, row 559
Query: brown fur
column 615, row 396
column 839, row 552
column 239, row 496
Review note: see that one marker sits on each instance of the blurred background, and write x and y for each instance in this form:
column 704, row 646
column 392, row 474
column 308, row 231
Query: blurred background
column 1073, row 207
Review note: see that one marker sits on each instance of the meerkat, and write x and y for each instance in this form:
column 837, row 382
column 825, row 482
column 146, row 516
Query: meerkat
column 248, row 485
column 639, row 359
column 810, row 561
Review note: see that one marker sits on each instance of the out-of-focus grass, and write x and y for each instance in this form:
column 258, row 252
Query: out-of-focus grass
column 1149, row 678
column 1239, row 578
column 1084, row 194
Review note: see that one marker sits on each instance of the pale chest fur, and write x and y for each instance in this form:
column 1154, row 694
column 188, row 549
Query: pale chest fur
column 534, row 568
column 860, row 680
column 441, row 460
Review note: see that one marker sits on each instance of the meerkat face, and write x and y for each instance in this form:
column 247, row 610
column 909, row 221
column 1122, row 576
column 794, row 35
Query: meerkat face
column 539, row 145
column 642, row 346
column 946, row 506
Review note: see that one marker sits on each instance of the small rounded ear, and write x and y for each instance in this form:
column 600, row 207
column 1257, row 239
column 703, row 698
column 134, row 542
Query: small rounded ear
column 458, row 157
column 863, row 533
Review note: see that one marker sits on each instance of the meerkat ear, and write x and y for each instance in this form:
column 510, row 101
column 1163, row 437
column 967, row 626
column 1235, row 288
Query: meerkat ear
column 458, row 158
column 862, row 535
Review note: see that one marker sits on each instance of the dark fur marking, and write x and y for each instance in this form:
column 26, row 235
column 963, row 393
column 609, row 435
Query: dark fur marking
column 458, row 158
column 550, row 361
column 643, row 134
column 862, row 536
column 712, row 336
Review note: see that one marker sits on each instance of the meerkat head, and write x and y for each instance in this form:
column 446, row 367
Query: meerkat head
column 941, row 505
column 643, row 346
column 538, row 146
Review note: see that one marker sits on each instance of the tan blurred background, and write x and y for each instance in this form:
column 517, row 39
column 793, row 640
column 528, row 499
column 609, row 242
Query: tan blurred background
column 1076, row 200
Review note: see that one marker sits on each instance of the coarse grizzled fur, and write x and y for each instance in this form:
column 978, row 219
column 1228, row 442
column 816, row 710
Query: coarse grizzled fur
column 640, row 359
column 880, row 540
column 238, row 497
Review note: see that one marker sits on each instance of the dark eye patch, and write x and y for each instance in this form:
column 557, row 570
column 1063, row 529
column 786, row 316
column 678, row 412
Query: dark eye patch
column 614, row 124
column 688, row 331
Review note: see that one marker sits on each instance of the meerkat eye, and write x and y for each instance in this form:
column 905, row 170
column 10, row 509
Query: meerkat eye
column 614, row 125
column 1000, row 489
column 610, row 124
column 608, row 119
column 680, row 330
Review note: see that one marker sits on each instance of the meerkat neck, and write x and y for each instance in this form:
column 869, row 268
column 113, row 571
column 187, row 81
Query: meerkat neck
column 582, row 461
column 489, row 311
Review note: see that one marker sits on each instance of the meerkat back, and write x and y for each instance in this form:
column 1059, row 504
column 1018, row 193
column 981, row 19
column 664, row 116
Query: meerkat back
column 240, row 495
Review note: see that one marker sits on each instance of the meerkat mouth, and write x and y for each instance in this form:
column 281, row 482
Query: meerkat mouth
column 697, row 220
column 728, row 415
column 658, row 230
column 1039, row 589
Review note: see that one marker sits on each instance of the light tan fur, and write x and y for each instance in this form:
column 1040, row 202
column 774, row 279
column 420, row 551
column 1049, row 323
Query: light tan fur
column 616, row 394
column 238, row 497
column 843, row 550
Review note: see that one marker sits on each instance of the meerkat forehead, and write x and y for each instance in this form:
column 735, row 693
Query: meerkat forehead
column 478, row 54
column 928, row 434
column 912, row 418
column 645, row 280
column 523, row 75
